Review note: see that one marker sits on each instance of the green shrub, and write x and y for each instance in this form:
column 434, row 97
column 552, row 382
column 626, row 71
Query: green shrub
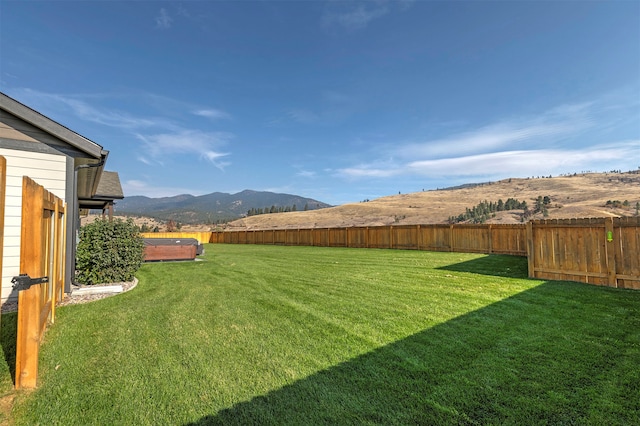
column 108, row 252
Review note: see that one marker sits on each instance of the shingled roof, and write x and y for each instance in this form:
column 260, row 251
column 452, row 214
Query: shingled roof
column 109, row 186
column 109, row 189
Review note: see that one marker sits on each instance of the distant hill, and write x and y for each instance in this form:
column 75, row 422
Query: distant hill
column 214, row 207
column 570, row 196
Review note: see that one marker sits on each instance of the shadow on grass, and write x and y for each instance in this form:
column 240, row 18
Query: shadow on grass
column 554, row 354
column 8, row 335
column 499, row 265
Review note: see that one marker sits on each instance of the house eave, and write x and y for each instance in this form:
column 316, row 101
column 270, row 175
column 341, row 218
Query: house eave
column 46, row 124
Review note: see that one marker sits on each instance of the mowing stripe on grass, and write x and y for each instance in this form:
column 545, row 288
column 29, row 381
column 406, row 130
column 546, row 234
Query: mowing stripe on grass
column 309, row 335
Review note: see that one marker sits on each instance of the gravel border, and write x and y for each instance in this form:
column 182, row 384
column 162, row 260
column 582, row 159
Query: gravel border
column 71, row 299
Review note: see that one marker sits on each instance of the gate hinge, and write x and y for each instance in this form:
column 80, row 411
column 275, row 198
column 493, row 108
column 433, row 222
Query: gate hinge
column 24, row 281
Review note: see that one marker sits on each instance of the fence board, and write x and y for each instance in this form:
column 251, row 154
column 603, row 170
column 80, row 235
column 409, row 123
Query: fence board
column 627, row 241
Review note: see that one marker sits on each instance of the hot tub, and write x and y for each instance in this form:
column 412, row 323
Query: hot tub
column 159, row 249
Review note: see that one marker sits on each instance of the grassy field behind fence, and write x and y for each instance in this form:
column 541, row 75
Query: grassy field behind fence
column 308, row 335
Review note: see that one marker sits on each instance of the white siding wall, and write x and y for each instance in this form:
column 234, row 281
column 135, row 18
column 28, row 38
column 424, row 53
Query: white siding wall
column 48, row 170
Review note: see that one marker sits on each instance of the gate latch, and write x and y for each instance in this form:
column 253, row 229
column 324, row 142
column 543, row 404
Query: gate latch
column 24, row 281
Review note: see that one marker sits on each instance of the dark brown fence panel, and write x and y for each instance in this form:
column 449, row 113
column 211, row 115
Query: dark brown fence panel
column 337, row 237
column 252, row 236
column 358, row 237
column 279, row 237
column 215, row 237
column 304, row 237
column 509, row 239
column 321, row 237
column 267, row 236
column 406, row 237
column 291, row 237
column 243, row 237
column 435, row 237
column 471, row 239
column 380, row 237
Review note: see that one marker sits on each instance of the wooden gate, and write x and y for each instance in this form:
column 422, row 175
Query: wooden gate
column 42, row 254
column 601, row 251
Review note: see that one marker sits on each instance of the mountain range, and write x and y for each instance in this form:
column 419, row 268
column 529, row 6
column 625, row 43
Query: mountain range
column 215, row 207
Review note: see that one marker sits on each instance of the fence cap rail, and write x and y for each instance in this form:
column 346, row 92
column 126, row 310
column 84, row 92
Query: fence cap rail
column 622, row 220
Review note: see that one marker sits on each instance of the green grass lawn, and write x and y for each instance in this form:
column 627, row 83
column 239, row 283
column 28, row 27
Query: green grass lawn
column 309, row 335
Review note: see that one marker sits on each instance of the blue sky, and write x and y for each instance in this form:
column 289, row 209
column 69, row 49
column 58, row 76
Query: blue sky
column 339, row 101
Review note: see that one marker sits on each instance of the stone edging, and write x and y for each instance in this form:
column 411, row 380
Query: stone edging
column 84, row 294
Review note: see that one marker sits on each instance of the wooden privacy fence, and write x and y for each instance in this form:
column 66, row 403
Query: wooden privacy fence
column 42, row 254
column 601, row 251
column 502, row 239
column 604, row 251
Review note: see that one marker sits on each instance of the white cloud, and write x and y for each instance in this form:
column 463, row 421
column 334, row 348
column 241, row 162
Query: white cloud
column 303, row 116
column 528, row 163
column 550, row 127
column 214, row 114
column 145, row 160
column 110, row 118
column 564, row 139
column 306, row 174
column 335, row 97
column 356, row 18
column 163, row 20
column 141, row 187
column 357, row 15
column 169, row 138
column 214, row 157
column 86, row 111
column 496, row 165
column 204, row 144
column 364, row 171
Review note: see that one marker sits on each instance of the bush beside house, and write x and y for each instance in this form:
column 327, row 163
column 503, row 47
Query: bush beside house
column 108, row 251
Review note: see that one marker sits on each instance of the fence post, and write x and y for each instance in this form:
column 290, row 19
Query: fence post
column 28, row 339
column 451, row 237
column 530, row 250
column 490, row 239
column 611, row 252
